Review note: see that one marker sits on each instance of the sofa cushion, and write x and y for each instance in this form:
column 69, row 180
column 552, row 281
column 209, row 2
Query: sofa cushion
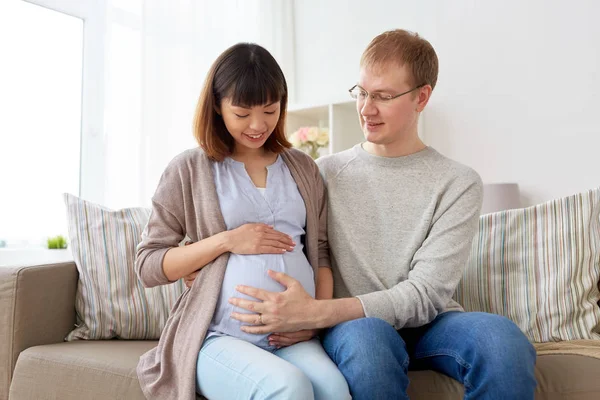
column 106, row 370
column 111, row 301
column 83, row 369
column 568, row 377
column 37, row 306
column 540, row 267
column 559, row 377
column 80, row 370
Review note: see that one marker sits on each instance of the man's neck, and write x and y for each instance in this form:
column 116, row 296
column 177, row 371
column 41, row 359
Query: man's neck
column 396, row 149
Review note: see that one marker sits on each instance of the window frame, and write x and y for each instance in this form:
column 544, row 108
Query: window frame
column 92, row 148
column 92, row 142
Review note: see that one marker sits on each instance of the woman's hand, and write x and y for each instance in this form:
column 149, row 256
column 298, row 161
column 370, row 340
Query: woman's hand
column 188, row 280
column 251, row 239
column 258, row 239
column 283, row 339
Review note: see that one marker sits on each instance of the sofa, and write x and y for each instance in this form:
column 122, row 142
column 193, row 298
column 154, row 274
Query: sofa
column 37, row 311
column 76, row 329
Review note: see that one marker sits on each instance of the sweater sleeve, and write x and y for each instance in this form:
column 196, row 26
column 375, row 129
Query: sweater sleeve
column 437, row 265
column 165, row 228
column 321, row 196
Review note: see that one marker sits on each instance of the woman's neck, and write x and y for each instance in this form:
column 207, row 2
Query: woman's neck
column 251, row 155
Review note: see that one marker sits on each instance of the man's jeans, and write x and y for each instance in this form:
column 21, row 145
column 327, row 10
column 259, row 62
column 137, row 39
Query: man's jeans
column 487, row 353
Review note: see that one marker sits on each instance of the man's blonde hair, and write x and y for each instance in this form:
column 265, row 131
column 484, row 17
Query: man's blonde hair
column 402, row 47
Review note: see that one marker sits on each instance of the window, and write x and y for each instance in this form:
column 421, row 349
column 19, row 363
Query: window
column 42, row 99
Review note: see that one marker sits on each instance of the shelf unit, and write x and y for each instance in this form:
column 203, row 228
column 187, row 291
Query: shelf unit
column 340, row 118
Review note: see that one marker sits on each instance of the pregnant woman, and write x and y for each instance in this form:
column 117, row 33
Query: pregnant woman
column 249, row 204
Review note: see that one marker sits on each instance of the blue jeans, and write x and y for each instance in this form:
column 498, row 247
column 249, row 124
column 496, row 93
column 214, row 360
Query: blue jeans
column 231, row 368
column 487, row 353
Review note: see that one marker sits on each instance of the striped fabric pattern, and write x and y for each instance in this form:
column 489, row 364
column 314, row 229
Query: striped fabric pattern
column 111, row 301
column 540, row 267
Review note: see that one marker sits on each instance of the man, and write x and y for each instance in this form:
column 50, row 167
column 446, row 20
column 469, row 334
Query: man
column 401, row 220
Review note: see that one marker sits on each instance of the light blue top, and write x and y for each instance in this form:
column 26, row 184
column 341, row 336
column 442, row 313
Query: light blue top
column 281, row 206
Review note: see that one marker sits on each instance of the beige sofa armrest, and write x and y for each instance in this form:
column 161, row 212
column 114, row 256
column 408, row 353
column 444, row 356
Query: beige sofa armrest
column 37, row 306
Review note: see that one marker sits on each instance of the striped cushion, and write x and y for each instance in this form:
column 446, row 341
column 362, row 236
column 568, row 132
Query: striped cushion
column 540, row 267
column 111, row 302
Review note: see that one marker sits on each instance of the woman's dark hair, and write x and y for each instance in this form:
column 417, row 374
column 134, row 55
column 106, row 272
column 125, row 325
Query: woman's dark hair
column 247, row 74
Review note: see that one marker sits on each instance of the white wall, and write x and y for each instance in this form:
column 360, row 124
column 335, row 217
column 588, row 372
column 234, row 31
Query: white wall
column 330, row 37
column 518, row 90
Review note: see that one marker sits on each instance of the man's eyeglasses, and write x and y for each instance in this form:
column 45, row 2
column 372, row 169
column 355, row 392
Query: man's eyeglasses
column 360, row 94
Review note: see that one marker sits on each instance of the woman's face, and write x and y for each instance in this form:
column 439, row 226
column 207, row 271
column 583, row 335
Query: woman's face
column 249, row 127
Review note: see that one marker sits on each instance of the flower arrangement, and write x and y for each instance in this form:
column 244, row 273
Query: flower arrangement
column 310, row 139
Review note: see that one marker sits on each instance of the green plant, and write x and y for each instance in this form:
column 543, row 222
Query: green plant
column 57, row 242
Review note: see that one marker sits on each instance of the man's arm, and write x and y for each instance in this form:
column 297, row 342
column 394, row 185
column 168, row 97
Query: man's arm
column 293, row 309
column 435, row 272
column 437, row 265
column 335, row 311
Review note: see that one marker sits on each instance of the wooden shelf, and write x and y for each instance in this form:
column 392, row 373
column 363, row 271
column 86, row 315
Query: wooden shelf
column 340, row 118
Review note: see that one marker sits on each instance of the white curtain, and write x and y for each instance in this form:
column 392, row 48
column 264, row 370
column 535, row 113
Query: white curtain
column 157, row 55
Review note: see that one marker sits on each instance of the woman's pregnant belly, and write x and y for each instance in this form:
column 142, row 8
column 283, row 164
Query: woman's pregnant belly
column 251, row 270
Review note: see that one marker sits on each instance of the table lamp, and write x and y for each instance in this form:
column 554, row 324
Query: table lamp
column 500, row 197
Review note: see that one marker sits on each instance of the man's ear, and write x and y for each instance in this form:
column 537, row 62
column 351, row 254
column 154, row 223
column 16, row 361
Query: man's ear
column 423, row 97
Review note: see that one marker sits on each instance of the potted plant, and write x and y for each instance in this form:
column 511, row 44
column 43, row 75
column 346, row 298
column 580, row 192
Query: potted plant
column 57, row 242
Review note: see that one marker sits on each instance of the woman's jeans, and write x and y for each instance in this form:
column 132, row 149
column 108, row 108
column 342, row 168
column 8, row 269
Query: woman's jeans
column 231, row 368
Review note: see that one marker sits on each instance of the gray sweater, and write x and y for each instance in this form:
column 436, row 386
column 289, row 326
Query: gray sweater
column 400, row 231
column 186, row 202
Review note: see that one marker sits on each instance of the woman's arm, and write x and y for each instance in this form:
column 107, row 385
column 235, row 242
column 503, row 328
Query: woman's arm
column 254, row 238
column 182, row 261
column 324, row 290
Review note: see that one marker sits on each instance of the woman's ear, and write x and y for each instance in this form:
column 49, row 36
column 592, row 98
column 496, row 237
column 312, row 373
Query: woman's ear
column 217, row 109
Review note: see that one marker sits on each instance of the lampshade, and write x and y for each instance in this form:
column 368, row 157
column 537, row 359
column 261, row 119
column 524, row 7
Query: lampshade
column 500, row 197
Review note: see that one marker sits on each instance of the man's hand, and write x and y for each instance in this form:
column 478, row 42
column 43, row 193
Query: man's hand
column 289, row 311
column 283, row 339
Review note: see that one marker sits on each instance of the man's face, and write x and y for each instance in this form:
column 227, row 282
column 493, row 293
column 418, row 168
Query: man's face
column 391, row 121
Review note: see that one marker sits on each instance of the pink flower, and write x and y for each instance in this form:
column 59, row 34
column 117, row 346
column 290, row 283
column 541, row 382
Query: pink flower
column 302, row 134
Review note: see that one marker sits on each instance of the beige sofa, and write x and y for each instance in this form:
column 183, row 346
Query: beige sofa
column 37, row 310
